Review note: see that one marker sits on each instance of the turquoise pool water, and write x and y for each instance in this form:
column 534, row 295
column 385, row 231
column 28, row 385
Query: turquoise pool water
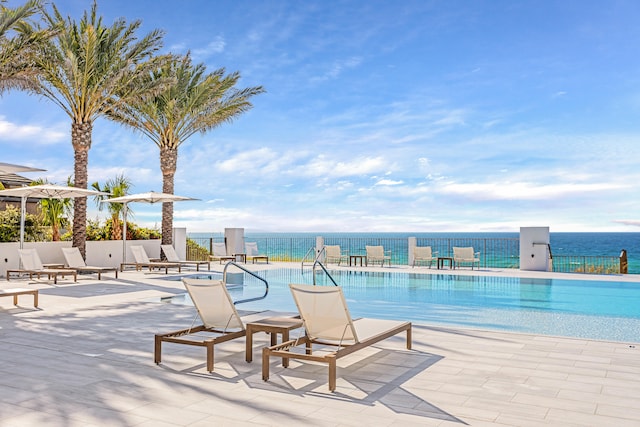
column 585, row 309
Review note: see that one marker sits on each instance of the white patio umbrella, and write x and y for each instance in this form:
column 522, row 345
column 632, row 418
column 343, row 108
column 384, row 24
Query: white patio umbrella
column 6, row 168
column 149, row 197
column 44, row 191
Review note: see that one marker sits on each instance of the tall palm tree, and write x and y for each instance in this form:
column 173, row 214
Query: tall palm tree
column 89, row 69
column 194, row 102
column 117, row 187
column 16, row 47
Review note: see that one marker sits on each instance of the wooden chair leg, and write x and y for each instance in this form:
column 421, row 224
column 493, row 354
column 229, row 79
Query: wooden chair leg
column 157, row 353
column 210, row 356
column 265, row 364
column 332, row 374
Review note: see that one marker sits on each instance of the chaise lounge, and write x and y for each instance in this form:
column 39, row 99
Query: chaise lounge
column 220, row 253
column 220, row 320
column 252, row 253
column 32, row 265
column 75, row 261
column 172, row 256
column 327, row 323
column 142, row 260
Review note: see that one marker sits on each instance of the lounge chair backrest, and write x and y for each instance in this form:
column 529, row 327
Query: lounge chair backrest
column 214, row 304
column 73, row 257
column 463, row 253
column 30, row 259
column 251, row 248
column 324, row 312
column 140, row 254
column 422, row 252
column 332, row 251
column 375, row 251
column 170, row 253
column 219, row 249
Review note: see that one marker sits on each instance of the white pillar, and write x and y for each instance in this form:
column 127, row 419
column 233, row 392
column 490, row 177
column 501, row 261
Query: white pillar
column 413, row 242
column 180, row 242
column 319, row 246
column 534, row 249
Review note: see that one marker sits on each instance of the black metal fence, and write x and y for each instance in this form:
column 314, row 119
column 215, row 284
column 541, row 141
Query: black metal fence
column 494, row 252
column 587, row 264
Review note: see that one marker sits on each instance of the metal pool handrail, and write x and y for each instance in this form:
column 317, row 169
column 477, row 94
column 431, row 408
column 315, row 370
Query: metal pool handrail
column 317, row 262
column 311, row 249
column 266, row 284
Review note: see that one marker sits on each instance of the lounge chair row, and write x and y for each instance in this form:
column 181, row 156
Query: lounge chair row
column 421, row 254
column 375, row 255
column 327, row 323
column 251, row 252
column 33, row 266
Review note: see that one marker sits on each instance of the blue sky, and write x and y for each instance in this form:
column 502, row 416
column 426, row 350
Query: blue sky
column 383, row 116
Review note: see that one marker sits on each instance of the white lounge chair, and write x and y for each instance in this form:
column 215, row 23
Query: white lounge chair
column 172, row 256
column 327, row 322
column 333, row 254
column 32, row 265
column 251, row 251
column 220, row 320
column 142, row 260
column 465, row 255
column 423, row 254
column 377, row 254
column 74, row 260
column 220, row 253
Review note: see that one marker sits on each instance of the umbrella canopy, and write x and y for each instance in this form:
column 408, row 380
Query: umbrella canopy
column 44, row 191
column 9, row 168
column 149, row 197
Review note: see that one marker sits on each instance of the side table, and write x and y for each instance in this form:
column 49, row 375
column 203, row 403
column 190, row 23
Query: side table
column 441, row 259
column 354, row 259
column 272, row 326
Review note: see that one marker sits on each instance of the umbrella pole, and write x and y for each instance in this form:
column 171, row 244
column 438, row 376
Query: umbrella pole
column 124, row 235
column 23, row 213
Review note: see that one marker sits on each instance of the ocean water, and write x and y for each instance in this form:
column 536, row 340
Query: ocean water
column 567, row 244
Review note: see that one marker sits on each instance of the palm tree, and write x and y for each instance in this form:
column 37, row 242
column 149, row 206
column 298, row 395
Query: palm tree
column 16, row 47
column 117, row 187
column 194, row 102
column 89, row 69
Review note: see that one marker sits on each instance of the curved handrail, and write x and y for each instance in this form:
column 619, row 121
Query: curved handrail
column 311, row 249
column 266, row 284
column 325, row 272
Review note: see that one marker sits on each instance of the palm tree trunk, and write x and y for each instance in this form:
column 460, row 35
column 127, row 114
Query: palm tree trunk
column 81, row 140
column 168, row 164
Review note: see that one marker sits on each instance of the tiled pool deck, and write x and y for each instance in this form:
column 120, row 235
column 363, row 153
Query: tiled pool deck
column 85, row 358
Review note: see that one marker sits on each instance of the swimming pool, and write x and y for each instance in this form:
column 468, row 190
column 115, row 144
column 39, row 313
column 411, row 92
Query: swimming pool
column 574, row 308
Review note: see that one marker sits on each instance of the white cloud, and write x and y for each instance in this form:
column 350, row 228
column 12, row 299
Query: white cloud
column 388, row 182
column 36, row 135
column 523, row 190
column 217, row 45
